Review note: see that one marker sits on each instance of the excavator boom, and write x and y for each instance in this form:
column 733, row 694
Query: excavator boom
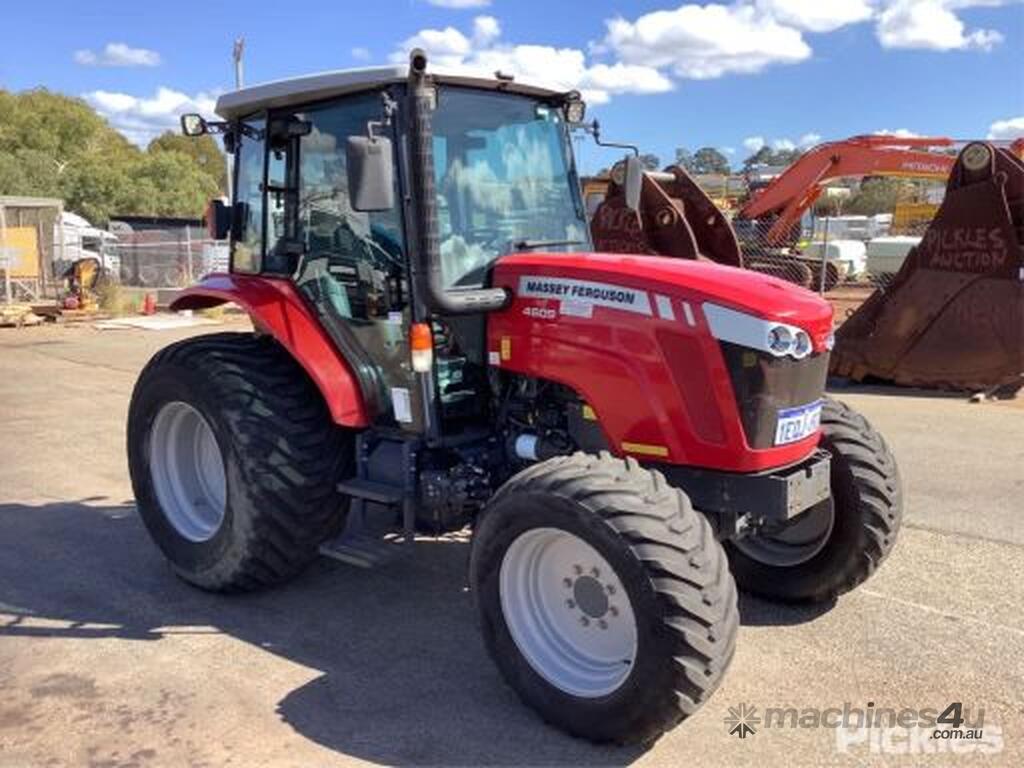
column 789, row 195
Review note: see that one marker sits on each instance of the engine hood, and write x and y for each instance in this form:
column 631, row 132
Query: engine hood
column 694, row 281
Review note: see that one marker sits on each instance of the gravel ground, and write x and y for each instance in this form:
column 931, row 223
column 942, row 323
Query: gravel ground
column 107, row 659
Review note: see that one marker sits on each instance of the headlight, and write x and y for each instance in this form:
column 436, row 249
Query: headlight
column 802, row 345
column 778, row 339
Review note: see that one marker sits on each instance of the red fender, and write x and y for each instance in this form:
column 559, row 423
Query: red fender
column 276, row 307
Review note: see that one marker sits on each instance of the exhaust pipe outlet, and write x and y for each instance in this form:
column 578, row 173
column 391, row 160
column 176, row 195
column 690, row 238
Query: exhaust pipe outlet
column 438, row 298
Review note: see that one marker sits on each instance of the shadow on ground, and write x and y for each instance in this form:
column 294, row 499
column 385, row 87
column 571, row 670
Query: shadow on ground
column 405, row 677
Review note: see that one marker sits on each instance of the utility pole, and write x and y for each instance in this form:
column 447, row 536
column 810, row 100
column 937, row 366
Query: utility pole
column 237, row 52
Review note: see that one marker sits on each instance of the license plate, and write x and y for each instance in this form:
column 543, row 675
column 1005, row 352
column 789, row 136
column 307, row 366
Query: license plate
column 797, row 423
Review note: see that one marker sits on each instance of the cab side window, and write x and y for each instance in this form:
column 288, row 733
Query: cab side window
column 247, row 243
column 360, row 254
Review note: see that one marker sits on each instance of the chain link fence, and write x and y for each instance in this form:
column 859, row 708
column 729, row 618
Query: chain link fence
column 161, row 254
column 844, row 257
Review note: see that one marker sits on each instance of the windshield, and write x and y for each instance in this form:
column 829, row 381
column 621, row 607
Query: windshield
column 505, row 181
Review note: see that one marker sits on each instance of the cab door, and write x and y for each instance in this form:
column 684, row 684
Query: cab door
column 351, row 266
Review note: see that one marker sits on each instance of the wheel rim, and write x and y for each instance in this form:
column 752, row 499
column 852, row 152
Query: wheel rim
column 187, row 470
column 568, row 612
column 796, row 543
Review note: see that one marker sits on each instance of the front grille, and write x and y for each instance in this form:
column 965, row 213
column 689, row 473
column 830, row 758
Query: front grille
column 764, row 384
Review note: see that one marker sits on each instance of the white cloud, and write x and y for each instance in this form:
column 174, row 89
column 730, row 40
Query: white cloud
column 447, row 47
column 647, row 53
column 901, row 133
column 1011, row 128
column 933, row 25
column 818, row 15
column 727, row 150
column 485, row 51
column 142, row 119
column 486, row 29
column 359, row 53
column 754, row 143
column 460, row 4
column 117, row 55
column 706, row 41
column 626, row 78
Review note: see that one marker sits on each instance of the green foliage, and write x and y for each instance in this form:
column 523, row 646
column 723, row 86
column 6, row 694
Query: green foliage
column 768, row 156
column 115, row 299
column 876, row 195
column 203, row 150
column 710, row 160
column 684, row 159
column 650, row 162
column 53, row 145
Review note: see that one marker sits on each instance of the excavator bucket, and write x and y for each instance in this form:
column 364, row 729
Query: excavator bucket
column 675, row 218
column 953, row 316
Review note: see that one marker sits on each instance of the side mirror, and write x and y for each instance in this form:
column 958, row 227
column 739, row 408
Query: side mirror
column 218, row 219
column 193, row 125
column 634, row 182
column 371, row 173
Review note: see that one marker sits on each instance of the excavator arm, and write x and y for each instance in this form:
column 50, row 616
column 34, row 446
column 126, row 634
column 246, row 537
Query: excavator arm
column 800, row 185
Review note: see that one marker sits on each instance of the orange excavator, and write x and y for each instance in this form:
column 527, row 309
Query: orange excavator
column 796, row 189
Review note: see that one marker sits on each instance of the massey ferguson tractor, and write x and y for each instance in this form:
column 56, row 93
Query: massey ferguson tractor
column 436, row 346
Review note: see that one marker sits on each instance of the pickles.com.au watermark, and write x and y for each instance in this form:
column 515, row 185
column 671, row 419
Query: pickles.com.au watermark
column 952, row 729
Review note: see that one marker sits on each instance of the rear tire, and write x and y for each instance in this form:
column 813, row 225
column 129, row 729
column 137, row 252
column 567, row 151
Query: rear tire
column 641, row 546
column 234, row 460
column 867, row 502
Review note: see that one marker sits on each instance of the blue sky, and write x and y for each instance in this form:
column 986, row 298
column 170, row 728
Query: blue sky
column 663, row 74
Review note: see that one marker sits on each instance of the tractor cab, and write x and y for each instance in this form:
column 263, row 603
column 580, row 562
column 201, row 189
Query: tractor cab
column 386, row 196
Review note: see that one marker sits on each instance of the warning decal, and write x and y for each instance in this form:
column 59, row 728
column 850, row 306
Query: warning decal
column 585, row 292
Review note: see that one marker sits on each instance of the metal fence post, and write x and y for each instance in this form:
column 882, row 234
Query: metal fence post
column 188, row 252
column 5, row 257
column 824, row 259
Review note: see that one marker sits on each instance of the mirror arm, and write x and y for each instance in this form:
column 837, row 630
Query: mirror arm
column 594, row 129
column 390, row 106
column 216, row 126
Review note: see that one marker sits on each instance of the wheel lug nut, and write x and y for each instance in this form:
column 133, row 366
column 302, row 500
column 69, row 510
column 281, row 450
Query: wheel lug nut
column 595, row 572
column 584, row 621
column 578, row 569
column 566, row 583
column 613, row 611
column 610, row 589
column 570, row 603
column 602, row 624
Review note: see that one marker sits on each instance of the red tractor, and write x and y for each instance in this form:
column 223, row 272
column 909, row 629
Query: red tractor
column 436, row 347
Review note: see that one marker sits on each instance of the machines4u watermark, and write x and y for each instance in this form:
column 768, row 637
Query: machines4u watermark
column 954, row 728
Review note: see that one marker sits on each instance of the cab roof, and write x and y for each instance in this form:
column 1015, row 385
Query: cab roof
column 308, row 88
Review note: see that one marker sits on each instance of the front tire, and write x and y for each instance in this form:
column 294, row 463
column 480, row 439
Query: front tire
column 854, row 536
column 234, row 461
column 604, row 598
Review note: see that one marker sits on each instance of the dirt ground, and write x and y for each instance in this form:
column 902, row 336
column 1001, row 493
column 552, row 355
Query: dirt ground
column 106, row 659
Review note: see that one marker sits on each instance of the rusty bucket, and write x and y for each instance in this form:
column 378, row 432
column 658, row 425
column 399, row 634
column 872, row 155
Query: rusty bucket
column 953, row 316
